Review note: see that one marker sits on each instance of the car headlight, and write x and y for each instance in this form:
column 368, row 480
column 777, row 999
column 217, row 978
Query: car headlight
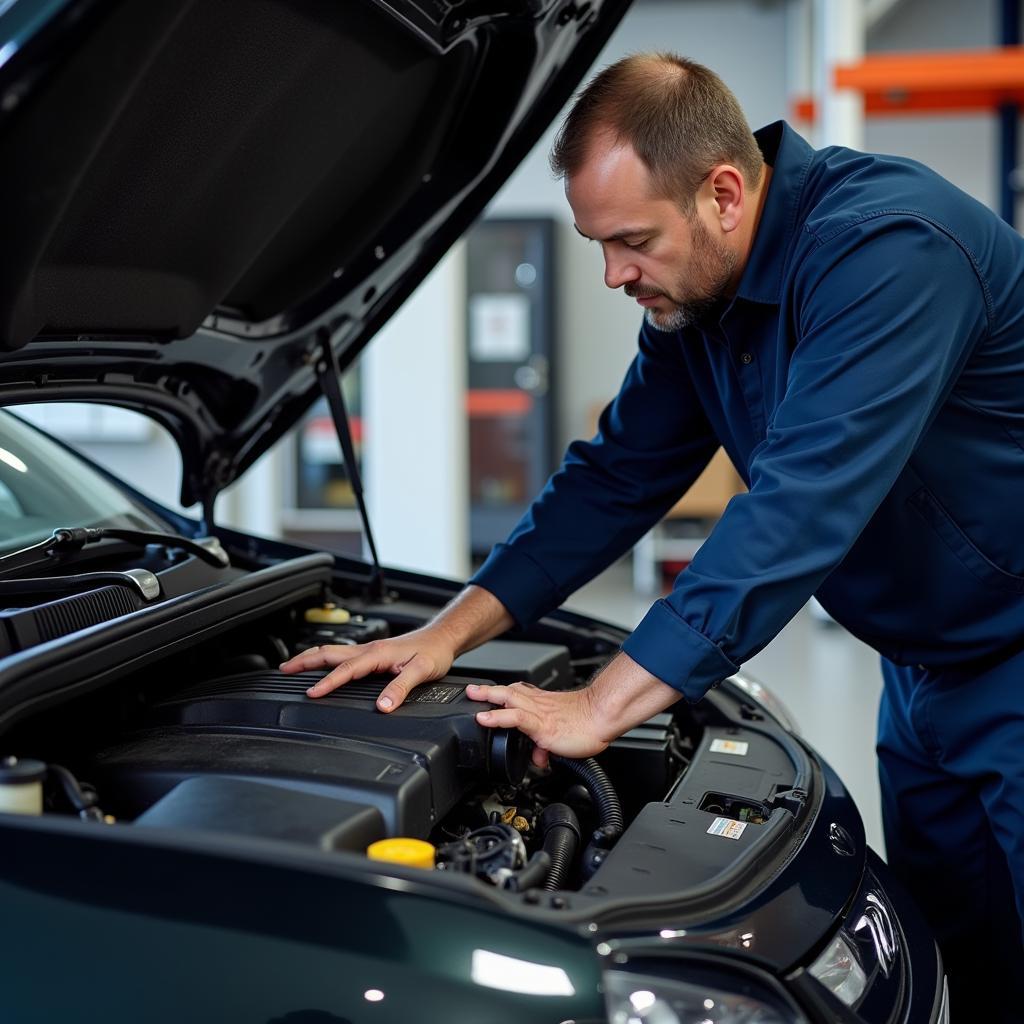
column 711, row 996
column 838, row 970
column 760, row 694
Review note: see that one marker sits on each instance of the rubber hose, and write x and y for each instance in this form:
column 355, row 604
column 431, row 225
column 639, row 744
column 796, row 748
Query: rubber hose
column 606, row 800
column 530, row 876
column 84, row 803
column 560, row 828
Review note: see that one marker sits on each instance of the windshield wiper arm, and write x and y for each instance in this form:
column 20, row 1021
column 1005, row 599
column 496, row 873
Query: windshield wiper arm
column 142, row 581
column 68, row 540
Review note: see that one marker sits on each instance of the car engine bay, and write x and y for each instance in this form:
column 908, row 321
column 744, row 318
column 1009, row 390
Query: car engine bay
column 213, row 738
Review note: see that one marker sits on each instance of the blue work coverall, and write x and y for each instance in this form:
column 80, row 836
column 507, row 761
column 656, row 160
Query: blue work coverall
column 867, row 381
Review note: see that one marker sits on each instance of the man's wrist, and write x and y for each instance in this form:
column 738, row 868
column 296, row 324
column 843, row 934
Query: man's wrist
column 472, row 618
column 623, row 695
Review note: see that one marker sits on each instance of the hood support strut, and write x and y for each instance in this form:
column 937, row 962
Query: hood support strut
column 328, row 376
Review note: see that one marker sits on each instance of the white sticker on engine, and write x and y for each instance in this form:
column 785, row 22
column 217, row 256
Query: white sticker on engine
column 727, row 827
column 737, row 747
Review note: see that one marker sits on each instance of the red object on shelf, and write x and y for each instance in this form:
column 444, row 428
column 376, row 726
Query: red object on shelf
column 498, row 402
column 960, row 81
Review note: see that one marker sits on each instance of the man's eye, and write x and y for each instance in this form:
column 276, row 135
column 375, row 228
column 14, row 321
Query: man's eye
column 637, row 245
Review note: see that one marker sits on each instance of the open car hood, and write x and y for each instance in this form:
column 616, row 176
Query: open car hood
column 195, row 195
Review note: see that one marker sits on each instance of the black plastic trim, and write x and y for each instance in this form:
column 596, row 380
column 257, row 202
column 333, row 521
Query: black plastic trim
column 94, row 657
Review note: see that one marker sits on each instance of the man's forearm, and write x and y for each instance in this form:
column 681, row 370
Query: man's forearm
column 474, row 617
column 624, row 694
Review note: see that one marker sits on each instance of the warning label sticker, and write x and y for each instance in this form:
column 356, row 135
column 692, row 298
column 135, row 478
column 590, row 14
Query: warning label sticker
column 727, row 827
column 434, row 695
column 737, row 747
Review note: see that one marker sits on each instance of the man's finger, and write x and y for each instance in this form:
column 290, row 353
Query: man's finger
column 354, row 668
column 490, row 694
column 416, row 670
column 540, row 757
column 322, row 657
column 512, row 718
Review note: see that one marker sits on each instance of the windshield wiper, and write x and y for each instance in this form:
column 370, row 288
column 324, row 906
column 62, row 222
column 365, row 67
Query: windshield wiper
column 69, row 540
column 142, row 581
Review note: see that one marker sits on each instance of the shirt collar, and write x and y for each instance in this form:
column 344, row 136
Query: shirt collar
column 789, row 157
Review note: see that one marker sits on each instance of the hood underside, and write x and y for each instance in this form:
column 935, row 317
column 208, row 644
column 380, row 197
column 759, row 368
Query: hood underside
column 196, row 194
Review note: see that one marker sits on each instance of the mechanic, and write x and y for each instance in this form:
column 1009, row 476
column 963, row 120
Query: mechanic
column 850, row 328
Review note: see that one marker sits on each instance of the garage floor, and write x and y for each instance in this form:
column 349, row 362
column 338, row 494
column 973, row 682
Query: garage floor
column 829, row 681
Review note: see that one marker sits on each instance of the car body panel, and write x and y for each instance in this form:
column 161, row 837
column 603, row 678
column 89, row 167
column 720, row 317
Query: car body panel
column 208, row 931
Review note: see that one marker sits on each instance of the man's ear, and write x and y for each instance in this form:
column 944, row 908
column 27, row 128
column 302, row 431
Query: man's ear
column 729, row 192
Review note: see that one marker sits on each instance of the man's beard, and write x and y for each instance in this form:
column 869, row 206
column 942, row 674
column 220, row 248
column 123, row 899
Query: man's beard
column 707, row 281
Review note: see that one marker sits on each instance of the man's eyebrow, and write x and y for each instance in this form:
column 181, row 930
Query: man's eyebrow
column 619, row 235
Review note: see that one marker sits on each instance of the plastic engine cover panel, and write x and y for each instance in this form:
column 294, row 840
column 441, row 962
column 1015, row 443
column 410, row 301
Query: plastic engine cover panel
column 413, row 764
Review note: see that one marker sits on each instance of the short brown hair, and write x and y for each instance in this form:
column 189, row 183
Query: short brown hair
column 679, row 117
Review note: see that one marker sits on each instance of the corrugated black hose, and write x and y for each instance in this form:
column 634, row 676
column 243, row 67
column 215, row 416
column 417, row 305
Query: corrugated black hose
column 597, row 784
column 561, row 831
column 610, row 823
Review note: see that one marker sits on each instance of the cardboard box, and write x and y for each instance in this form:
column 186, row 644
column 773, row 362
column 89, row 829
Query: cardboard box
column 711, row 491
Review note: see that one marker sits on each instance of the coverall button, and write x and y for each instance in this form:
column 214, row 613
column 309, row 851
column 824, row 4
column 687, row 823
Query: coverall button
column 746, row 358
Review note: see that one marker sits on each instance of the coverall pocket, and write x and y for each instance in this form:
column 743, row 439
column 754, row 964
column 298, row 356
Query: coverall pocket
column 983, row 568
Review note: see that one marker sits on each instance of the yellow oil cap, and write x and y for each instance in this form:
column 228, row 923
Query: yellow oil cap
column 413, row 853
column 328, row 613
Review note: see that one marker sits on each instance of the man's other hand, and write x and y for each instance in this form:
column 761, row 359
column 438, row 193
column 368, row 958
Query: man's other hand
column 558, row 721
column 413, row 658
column 577, row 723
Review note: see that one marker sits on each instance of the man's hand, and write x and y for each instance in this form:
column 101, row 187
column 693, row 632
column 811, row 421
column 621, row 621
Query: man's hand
column 558, row 722
column 421, row 656
column 577, row 723
column 413, row 658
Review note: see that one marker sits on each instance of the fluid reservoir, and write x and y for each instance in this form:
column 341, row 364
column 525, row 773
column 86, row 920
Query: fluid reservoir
column 327, row 614
column 413, row 853
column 21, row 785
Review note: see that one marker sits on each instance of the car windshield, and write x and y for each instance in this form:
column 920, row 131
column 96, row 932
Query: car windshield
column 43, row 486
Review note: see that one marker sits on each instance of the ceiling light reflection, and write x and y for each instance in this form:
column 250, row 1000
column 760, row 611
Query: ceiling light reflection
column 643, row 1000
column 13, row 461
column 513, row 975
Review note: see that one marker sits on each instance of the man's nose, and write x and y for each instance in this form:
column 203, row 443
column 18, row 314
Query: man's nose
column 619, row 270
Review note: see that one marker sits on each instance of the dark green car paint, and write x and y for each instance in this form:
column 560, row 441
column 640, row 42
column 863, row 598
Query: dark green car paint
column 210, row 930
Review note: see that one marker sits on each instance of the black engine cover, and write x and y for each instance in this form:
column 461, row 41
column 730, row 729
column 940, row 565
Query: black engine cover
column 413, row 764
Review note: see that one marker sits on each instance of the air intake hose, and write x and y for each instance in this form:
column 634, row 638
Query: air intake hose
column 561, row 831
